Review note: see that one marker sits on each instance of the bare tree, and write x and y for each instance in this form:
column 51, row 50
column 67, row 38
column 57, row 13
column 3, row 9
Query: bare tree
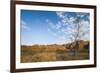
column 73, row 27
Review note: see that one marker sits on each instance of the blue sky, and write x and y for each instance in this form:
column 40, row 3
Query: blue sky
column 48, row 27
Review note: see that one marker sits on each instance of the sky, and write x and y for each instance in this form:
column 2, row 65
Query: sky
column 51, row 27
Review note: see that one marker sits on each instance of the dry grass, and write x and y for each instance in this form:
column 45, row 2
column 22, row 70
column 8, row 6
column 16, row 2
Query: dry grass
column 43, row 53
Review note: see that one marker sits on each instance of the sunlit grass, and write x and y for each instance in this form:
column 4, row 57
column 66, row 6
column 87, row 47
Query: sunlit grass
column 43, row 53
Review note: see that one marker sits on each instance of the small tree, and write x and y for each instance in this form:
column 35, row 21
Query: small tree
column 74, row 26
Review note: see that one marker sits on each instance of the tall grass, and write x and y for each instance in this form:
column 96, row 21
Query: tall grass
column 43, row 53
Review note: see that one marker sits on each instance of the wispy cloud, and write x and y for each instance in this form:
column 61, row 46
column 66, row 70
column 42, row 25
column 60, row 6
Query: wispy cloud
column 67, row 26
column 61, row 14
column 24, row 25
column 50, row 24
column 80, row 14
column 53, row 33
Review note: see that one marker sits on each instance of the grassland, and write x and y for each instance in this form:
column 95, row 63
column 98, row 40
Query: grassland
column 53, row 52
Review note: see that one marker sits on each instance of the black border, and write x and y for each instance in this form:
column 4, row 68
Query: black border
column 13, row 33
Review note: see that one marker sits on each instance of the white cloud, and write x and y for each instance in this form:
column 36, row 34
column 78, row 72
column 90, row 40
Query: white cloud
column 58, row 25
column 50, row 24
column 60, row 14
column 24, row 25
column 85, row 24
column 49, row 30
column 72, row 19
column 52, row 33
column 80, row 14
column 67, row 26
